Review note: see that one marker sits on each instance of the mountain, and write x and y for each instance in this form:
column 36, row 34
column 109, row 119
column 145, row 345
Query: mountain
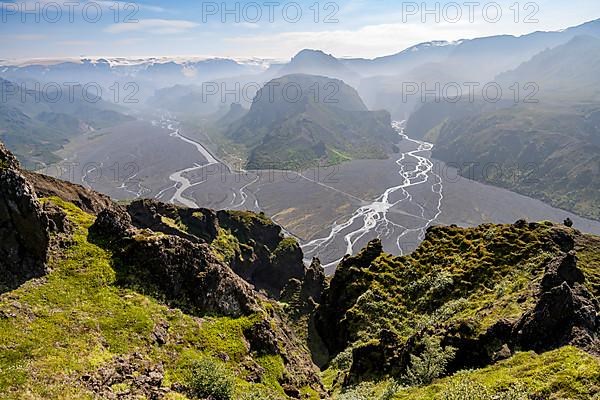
column 549, row 151
column 478, row 59
column 316, row 62
column 235, row 112
column 567, row 70
column 298, row 120
column 185, row 99
column 35, row 124
column 146, row 72
column 397, row 64
column 149, row 300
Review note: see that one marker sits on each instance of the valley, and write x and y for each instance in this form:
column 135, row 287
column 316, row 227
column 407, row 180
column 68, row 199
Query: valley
column 331, row 210
column 371, row 210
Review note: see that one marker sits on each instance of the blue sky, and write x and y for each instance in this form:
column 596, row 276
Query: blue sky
column 357, row 28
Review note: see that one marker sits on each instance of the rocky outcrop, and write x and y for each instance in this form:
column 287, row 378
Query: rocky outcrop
column 303, row 295
column 24, row 237
column 196, row 225
column 185, row 274
column 265, row 258
column 559, row 307
column 347, row 285
column 88, row 200
column 566, row 313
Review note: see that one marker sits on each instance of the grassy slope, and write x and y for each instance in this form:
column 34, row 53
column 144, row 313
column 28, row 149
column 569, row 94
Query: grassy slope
column 76, row 320
column 548, row 152
column 456, row 275
column 566, row 373
column 471, row 277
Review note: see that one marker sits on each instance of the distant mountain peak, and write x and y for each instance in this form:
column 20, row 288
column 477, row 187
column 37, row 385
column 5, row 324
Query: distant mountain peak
column 311, row 53
column 317, row 62
column 313, row 56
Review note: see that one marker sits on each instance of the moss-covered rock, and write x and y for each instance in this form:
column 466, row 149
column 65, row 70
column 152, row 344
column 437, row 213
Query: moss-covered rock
column 487, row 291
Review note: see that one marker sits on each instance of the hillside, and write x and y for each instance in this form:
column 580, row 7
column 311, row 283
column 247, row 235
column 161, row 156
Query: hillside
column 548, row 151
column 34, row 125
column 569, row 70
column 299, row 120
column 99, row 306
column 487, row 301
column 152, row 301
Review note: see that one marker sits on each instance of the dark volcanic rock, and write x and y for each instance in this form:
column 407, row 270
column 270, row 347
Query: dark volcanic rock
column 142, row 378
column 265, row 259
column 112, row 224
column 562, row 269
column 347, row 285
column 57, row 218
column 251, row 227
column 303, row 295
column 313, row 284
column 184, row 273
column 262, row 339
column 24, row 237
column 88, row 200
column 201, row 224
column 268, row 260
column 565, row 312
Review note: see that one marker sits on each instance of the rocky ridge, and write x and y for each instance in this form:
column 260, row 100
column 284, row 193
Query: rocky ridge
column 24, row 236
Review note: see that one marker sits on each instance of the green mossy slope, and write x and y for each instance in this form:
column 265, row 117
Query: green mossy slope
column 59, row 332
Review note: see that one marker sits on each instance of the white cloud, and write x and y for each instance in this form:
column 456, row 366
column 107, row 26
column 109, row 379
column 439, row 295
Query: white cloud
column 368, row 41
column 159, row 26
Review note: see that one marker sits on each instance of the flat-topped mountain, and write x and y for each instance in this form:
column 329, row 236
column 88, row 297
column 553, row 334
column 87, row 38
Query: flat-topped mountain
column 300, row 120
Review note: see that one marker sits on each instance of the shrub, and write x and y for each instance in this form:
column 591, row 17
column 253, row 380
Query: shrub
column 467, row 389
column 430, row 364
column 363, row 391
column 343, row 361
column 391, row 390
column 210, row 379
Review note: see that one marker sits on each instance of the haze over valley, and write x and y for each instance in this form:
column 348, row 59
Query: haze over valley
column 225, row 135
column 352, row 201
